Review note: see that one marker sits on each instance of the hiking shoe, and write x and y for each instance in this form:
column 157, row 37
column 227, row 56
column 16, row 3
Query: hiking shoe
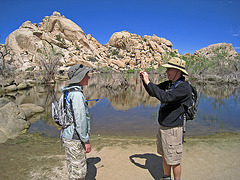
column 166, row 178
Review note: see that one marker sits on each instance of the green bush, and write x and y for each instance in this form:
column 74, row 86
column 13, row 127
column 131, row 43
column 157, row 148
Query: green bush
column 58, row 37
column 39, row 50
column 120, row 56
column 115, row 52
column 218, row 63
column 130, row 70
column 30, row 68
column 149, row 69
column 105, row 69
column 92, row 59
column 173, row 54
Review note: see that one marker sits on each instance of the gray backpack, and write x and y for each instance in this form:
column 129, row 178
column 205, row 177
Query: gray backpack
column 191, row 111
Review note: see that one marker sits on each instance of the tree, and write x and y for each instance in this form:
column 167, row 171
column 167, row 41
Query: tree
column 49, row 60
column 5, row 51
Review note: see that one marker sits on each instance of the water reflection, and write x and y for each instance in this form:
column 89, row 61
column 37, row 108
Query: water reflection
column 126, row 109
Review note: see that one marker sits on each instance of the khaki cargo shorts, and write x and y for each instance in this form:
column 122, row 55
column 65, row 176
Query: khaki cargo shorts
column 169, row 144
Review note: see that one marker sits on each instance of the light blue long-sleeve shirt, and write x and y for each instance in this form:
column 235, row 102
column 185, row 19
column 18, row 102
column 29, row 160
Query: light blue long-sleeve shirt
column 81, row 114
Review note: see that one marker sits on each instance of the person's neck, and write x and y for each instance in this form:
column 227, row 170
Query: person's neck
column 175, row 79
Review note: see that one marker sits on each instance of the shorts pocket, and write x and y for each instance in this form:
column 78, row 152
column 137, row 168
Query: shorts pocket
column 170, row 151
column 179, row 149
column 174, row 150
column 173, row 154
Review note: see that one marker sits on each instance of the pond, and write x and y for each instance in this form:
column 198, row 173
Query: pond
column 126, row 109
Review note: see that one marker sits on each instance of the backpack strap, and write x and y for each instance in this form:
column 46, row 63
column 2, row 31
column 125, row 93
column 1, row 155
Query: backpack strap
column 72, row 112
column 175, row 85
column 184, row 127
column 66, row 97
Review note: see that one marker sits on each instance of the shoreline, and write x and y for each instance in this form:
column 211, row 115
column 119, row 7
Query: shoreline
column 32, row 156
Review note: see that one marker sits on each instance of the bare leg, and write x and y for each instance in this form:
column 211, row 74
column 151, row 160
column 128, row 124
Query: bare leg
column 177, row 171
column 166, row 167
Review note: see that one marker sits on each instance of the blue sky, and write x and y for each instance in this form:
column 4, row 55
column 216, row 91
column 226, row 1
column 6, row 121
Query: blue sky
column 189, row 24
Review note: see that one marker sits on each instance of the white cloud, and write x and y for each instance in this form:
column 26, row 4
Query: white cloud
column 236, row 35
column 226, row 2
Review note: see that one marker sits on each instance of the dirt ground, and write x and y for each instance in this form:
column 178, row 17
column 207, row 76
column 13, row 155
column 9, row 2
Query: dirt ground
column 122, row 158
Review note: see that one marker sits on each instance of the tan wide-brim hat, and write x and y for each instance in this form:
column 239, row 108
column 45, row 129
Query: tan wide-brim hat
column 77, row 72
column 176, row 63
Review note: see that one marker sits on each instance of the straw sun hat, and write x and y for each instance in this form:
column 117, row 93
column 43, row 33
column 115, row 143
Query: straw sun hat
column 77, row 72
column 176, row 63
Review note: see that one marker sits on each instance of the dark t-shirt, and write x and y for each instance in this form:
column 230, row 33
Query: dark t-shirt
column 174, row 97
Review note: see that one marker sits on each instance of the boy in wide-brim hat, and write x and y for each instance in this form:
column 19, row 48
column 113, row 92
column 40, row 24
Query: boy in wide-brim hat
column 76, row 136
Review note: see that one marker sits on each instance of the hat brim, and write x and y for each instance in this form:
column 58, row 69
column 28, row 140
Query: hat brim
column 79, row 77
column 175, row 67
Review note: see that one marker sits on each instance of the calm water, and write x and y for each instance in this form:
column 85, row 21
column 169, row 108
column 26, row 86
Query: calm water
column 126, row 109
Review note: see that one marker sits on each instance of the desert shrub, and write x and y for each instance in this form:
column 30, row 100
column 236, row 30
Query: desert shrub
column 92, row 59
column 115, row 52
column 49, row 63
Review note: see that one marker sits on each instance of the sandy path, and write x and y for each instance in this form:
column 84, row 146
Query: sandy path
column 115, row 163
column 140, row 162
column 215, row 157
column 199, row 162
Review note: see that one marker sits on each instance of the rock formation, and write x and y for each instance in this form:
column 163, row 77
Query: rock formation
column 13, row 120
column 31, row 109
column 137, row 52
column 123, row 51
column 33, row 45
column 30, row 41
column 215, row 49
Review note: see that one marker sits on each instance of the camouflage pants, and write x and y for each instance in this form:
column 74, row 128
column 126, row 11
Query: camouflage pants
column 76, row 159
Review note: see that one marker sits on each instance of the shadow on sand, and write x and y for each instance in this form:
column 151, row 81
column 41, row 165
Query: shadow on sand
column 91, row 168
column 153, row 164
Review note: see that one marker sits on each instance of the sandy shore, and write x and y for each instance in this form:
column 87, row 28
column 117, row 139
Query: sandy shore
column 213, row 157
column 142, row 162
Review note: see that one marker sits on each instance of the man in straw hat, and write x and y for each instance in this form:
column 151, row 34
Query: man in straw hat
column 174, row 94
column 76, row 136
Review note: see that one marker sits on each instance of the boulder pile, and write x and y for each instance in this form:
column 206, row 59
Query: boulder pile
column 31, row 42
column 59, row 42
